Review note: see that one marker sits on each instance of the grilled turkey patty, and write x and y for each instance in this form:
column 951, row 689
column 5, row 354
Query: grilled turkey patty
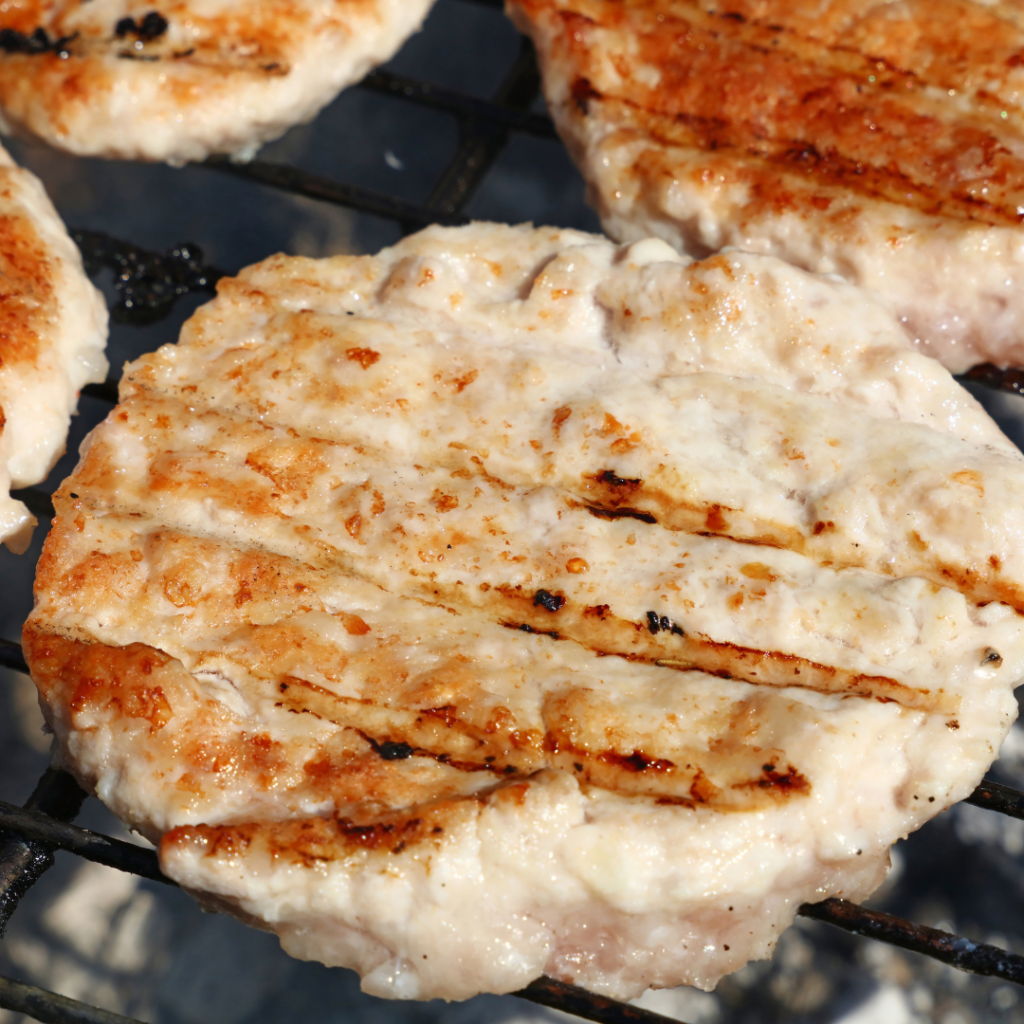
column 53, row 329
column 187, row 78
column 883, row 142
column 632, row 600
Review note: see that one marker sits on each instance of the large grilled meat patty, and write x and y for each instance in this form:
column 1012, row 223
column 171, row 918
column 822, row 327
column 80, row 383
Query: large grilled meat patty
column 510, row 602
column 187, row 78
column 883, row 142
column 53, row 329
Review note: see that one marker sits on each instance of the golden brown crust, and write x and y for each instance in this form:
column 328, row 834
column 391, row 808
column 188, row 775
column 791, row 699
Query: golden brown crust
column 27, row 302
column 832, row 107
column 408, row 575
column 196, row 76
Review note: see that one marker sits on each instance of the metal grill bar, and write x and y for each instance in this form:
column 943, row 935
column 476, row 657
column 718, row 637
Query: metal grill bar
column 573, row 999
column 312, row 186
column 23, row 861
column 437, row 98
column 482, row 142
column 113, row 853
column 995, row 797
column 955, row 950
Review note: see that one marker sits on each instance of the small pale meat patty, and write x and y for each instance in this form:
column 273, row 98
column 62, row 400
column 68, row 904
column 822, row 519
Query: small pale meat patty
column 53, row 329
column 510, row 602
column 883, row 142
column 187, row 78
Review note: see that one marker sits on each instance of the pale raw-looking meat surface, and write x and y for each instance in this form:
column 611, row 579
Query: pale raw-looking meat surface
column 513, row 603
column 186, row 78
column 53, row 329
column 883, row 142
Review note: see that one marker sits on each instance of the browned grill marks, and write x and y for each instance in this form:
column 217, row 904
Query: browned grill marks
column 819, row 112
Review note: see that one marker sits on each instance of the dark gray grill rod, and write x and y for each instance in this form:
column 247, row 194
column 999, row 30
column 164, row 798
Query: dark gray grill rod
column 312, row 186
column 482, row 141
column 437, row 98
column 51, row 1008
column 24, row 860
column 955, row 950
column 573, row 999
column 995, row 797
column 61, row 835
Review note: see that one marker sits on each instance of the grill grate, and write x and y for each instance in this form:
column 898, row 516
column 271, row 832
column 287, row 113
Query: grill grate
column 146, row 287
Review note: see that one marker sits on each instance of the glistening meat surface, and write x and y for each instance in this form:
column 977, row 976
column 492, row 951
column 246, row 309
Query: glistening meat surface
column 634, row 599
column 882, row 142
column 187, row 78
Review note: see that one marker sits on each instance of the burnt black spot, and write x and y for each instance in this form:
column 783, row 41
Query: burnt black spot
column 991, row 657
column 151, row 27
column 395, row 751
column 656, row 623
column 733, row 16
column 577, row 766
column 548, row 601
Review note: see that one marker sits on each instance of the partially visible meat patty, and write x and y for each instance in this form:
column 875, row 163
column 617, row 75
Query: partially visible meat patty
column 53, row 329
column 511, row 602
column 186, row 78
column 883, row 142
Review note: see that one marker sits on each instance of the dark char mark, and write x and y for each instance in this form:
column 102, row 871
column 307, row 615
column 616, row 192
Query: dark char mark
column 525, row 627
column 389, row 750
column 610, row 478
column 620, row 513
column 151, row 27
column 13, row 41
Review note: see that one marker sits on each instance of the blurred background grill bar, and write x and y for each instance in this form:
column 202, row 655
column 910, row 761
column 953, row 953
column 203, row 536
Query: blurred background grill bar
column 51, row 1008
column 459, row 103
column 313, row 186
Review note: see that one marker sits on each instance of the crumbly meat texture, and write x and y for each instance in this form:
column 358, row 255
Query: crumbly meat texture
column 186, row 78
column 882, row 142
column 635, row 599
column 53, row 329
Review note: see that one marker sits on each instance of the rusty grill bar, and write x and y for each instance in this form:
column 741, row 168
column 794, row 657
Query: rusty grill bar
column 147, row 285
